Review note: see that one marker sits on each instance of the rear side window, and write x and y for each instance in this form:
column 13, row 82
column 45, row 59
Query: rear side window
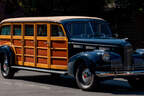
column 56, row 31
column 29, row 30
column 5, row 30
column 17, row 30
column 42, row 30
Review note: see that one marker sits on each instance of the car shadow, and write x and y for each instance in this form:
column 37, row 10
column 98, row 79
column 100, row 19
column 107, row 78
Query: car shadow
column 65, row 81
column 118, row 87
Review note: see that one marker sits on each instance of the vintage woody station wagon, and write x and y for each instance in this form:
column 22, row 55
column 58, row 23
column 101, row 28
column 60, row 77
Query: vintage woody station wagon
column 82, row 47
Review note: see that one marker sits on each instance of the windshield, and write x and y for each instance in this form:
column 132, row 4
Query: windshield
column 89, row 29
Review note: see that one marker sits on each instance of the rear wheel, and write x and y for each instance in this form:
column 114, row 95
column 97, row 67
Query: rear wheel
column 137, row 83
column 6, row 70
column 86, row 79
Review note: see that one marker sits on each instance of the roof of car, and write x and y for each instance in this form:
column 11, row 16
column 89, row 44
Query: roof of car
column 57, row 19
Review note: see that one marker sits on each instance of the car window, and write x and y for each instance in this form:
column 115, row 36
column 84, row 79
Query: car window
column 5, row 30
column 42, row 30
column 17, row 30
column 29, row 30
column 56, row 31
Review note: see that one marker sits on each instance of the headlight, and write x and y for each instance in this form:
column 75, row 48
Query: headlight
column 140, row 51
column 106, row 56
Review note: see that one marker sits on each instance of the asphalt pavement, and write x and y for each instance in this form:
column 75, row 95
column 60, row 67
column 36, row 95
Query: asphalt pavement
column 27, row 83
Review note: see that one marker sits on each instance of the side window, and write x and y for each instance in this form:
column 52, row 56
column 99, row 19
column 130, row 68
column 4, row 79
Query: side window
column 17, row 30
column 29, row 30
column 5, row 30
column 56, row 31
column 42, row 30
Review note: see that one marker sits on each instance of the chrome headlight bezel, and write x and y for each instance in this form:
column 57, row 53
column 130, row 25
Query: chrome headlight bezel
column 106, row 56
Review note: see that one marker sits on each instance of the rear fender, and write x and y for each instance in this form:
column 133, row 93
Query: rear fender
column 6, row 50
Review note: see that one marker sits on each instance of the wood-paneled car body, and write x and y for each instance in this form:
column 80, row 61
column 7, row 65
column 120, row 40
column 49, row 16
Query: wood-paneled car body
column 82, row 47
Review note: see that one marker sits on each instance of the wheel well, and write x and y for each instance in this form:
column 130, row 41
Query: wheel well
column 77, row 64
column 8, row 52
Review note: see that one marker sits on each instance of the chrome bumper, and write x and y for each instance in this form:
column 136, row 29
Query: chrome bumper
column 119, row 74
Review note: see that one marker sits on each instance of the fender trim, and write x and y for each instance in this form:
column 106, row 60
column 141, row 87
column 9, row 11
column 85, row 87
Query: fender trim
column 91, row 59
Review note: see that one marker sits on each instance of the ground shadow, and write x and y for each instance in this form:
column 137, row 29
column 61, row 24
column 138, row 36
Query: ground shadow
column 118, row 87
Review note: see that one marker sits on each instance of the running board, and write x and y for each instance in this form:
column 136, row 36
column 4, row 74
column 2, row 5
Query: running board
column 39, row 70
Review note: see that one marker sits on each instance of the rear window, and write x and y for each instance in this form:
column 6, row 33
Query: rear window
column 5, row 30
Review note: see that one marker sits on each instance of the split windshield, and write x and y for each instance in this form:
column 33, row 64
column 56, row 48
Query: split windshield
column 89, row 29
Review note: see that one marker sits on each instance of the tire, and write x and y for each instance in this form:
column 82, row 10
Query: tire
column 136, row 83
column 86, row 79
column 6, row 71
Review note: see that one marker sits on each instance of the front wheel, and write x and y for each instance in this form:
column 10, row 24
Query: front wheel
column 85, row 78
column 6, row 70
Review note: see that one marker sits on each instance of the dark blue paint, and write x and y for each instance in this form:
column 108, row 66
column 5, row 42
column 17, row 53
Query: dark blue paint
column 110, row 41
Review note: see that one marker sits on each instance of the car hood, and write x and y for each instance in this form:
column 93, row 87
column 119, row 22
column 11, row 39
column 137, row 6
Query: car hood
column 111, row 41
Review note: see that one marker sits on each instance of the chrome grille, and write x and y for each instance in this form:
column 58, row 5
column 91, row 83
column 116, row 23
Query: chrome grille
column 128, row 50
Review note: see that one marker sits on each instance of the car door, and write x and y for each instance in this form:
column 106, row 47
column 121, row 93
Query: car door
column 17, row 41
column 59, row 47
column 29, row 45
column 42, row 54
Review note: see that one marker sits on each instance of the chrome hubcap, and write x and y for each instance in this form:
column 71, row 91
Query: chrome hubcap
column 86, row 76
column 5, row 67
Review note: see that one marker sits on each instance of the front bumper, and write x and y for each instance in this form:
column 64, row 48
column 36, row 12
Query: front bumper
column 119, row 74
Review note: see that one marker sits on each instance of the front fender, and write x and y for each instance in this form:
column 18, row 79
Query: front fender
column 138, row 58
column 91, row 58
column 94, row 59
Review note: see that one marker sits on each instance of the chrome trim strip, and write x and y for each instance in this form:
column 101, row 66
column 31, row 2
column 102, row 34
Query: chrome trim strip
column 39, row 70
column 92, row 44
column 124, row 73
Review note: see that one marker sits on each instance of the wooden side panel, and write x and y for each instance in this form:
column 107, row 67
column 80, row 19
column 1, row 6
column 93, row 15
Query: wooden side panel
column 42, row 52
column 28, row 59
column 29, row 43
column 58, row 44
column 18, row 50
column 29, row 52
column 42, row 60
column 42, row 43
column 58, row 61
column 3, row 41
column 17, row 42
column 18, row 58
column 59, row 54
